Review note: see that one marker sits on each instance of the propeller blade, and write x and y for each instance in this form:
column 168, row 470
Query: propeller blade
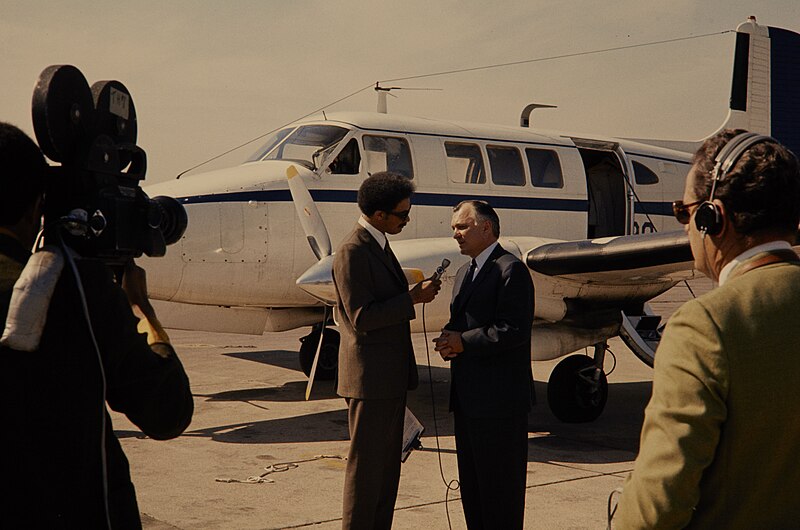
column 318, row 280
column 316, row 355
column 310, row 218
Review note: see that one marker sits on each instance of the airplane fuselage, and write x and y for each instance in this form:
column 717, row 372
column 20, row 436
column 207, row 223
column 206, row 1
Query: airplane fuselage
column 244, row 246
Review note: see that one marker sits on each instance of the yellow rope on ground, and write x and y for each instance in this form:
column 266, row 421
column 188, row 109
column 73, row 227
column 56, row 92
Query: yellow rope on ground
column 275, row 468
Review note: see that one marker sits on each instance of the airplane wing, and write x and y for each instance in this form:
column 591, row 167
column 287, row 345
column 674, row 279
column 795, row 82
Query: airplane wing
column 581, row 286
column 589, row 290
column 655, row 256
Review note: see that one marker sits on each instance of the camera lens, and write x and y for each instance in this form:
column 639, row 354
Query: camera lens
column 173, row 218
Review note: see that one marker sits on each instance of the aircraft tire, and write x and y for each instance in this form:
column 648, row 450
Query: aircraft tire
column 571, row 398
column 328, row 356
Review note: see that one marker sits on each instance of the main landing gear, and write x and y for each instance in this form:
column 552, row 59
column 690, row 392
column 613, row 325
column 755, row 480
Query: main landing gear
column 578, row 388
column 328, row 355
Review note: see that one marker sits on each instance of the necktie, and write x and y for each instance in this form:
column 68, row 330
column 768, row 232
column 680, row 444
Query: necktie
column 393, row 260
column 468, row 277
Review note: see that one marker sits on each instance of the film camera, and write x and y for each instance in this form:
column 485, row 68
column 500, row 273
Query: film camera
column 94, row 197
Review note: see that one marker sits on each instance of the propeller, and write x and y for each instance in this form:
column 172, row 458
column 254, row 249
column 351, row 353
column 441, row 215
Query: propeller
column 318, row 239
column 310, row 218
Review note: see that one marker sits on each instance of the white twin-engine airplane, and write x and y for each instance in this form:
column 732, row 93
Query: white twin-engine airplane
column 591, row 217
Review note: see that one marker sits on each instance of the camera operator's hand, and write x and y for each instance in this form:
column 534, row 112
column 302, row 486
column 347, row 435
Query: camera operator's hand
column 425, row 291
column 134, row 283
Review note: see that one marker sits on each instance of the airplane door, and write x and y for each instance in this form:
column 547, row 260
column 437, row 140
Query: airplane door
column 608, row 188
column 630, row 195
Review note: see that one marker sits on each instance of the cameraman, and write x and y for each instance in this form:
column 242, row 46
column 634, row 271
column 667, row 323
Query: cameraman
column 62, row 464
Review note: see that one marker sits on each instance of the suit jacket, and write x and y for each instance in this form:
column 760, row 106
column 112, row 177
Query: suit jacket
column 720, row 437
column 376, row 358
column 492, row 377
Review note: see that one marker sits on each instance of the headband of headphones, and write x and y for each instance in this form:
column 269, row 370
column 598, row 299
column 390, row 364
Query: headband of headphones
column 731, row 152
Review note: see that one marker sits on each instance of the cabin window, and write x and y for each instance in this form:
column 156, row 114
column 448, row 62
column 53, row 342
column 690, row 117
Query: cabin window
column 506, row 165
column 464, row 163
column 388, row 153
column 643, row 174
column 545, row 168
column 348, row 161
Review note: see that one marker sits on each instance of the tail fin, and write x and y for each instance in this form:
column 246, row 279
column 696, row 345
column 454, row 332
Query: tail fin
column 765, row 90
column 766, row 83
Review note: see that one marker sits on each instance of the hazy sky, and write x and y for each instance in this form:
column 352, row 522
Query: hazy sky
column 208, row 76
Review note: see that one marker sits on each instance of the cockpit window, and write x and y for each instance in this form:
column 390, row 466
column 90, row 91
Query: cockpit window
column 308, row 144
column 270, row 144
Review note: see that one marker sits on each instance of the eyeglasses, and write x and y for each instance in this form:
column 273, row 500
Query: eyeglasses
column 403, row 215
column 681, row 211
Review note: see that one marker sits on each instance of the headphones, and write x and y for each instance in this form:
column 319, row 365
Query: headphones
column 708, row 218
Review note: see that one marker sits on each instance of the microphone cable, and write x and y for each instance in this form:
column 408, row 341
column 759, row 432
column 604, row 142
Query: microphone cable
column 454, row 484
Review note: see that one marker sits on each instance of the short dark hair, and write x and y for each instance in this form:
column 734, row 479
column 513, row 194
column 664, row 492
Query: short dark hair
column 483, row 212
column 761, row 191
column 22, row 171
column 383, row 191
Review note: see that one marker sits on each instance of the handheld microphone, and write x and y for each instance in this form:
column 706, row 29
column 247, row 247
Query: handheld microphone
column 440, row 269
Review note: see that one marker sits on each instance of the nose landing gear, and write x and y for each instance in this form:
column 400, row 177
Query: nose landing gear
column 328, row 355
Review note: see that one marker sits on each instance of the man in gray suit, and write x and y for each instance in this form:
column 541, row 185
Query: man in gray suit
column 376, row 358
column 488, row 341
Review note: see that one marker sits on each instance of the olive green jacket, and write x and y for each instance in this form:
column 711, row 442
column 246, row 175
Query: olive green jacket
column 720, row 442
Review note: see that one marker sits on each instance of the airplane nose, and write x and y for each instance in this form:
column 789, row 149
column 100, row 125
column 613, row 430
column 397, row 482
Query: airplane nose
column 318, row 281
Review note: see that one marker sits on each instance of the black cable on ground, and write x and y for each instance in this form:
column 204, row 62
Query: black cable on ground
column 454, row 484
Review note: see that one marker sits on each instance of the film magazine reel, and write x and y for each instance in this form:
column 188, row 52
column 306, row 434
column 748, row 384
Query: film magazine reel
column 92, row 132
column 68, row 115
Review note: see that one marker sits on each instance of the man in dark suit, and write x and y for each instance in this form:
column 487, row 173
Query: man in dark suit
column 488, row 341
column 376, row 358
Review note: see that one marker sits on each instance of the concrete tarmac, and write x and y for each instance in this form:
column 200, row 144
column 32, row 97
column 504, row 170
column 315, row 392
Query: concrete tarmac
column 251, row 420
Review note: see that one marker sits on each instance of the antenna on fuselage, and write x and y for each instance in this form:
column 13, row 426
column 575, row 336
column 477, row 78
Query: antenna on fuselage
column 525, row 117
column 384, row 90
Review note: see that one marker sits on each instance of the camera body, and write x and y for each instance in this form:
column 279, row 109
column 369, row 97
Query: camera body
column 94, row 198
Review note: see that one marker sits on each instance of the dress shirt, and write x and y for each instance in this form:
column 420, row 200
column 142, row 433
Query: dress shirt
column 481, row 259
column 379, row 236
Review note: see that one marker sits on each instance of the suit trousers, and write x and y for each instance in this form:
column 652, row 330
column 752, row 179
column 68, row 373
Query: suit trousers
column 373, row 462
column 492, row 470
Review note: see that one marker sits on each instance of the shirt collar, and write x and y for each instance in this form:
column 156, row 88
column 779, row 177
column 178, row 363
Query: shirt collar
column 725, row 273
column 379, row 236
column 483, row 257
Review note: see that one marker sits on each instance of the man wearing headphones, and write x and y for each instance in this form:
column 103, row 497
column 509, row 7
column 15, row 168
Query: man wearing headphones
column 719, row 442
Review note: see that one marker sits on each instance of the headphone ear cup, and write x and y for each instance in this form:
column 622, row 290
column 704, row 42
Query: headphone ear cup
column 707, row 218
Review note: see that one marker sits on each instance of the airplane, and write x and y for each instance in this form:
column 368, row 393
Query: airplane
column 590, row 216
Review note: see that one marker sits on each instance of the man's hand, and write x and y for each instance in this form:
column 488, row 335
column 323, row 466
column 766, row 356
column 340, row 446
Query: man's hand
column 425, row 291
column 134, row 283
column 449, row 344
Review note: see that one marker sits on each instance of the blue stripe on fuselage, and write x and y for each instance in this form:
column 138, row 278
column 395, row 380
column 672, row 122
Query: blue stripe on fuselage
column 653, row 208
column 424, row 199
